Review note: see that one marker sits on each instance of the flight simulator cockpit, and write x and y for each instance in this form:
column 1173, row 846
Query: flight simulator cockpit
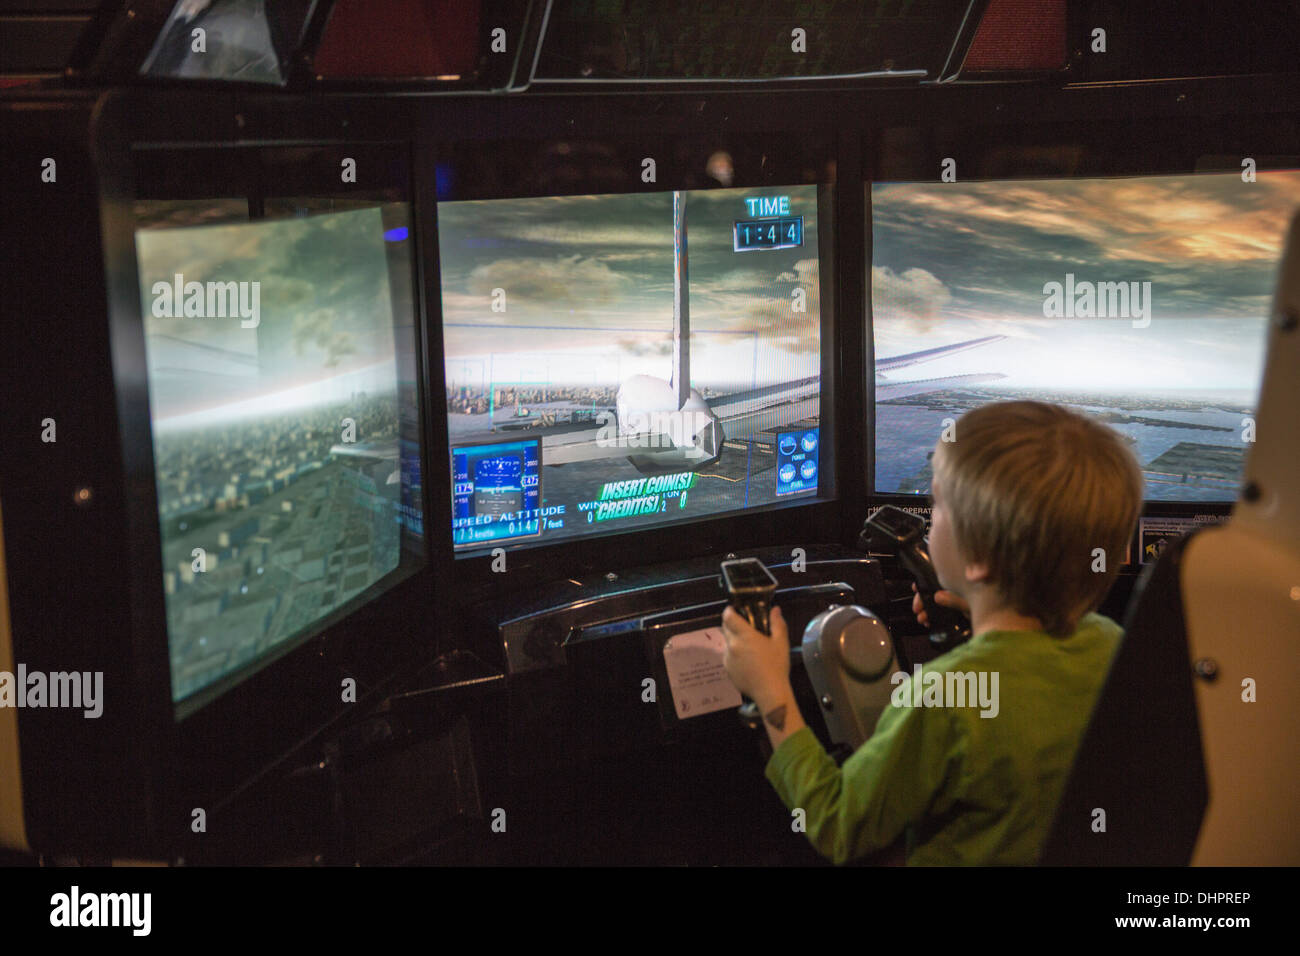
column 416, row 389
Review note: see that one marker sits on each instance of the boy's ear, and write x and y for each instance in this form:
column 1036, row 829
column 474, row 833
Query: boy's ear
column 976, row 572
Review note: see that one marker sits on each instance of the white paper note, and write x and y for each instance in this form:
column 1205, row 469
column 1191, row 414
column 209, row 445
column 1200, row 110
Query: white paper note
column 699, row 683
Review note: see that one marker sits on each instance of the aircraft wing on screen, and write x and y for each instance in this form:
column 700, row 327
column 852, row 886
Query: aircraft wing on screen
column 375, row 451
column 378, row 450
column 929, row 355
column 885, row 389
column 744, row 414
column 888, row 390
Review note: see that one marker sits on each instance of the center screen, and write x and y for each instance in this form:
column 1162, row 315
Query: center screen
column 621, row 361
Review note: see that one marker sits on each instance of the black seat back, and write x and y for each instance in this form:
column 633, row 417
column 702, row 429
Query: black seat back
column 1140, row 760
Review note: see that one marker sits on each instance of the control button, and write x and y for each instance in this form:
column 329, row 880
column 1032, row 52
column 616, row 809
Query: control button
column 865, row 649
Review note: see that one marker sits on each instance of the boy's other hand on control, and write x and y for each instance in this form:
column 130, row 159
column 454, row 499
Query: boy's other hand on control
column 757, row 664
column 943, row 599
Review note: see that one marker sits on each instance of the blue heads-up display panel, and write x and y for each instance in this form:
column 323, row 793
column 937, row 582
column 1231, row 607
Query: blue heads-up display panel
column 496, row 490
column 796, row 461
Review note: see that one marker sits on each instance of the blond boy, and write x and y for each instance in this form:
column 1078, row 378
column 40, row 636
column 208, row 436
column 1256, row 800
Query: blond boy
column 1034, row 506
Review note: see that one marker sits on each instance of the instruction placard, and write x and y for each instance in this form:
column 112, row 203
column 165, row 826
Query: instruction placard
column 699, row 683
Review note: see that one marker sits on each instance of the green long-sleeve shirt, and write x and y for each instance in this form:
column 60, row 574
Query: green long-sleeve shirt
column 966, row 789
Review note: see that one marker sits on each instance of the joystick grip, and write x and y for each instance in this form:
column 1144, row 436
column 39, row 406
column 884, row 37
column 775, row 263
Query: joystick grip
column 758, row 613
column 945, row 623
column 899, row 533
column 750, row 586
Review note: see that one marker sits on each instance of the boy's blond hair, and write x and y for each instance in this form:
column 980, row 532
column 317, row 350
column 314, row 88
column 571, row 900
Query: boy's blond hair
column 1033, row 490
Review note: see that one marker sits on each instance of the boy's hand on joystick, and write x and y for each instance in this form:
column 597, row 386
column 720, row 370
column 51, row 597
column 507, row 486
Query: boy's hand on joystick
column 943, row 599
column 758, row 664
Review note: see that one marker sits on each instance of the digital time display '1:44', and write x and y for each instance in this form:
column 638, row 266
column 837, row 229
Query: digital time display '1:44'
column 751, row 234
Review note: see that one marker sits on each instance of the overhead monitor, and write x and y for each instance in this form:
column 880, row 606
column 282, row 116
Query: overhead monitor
column 617, row 362
column 245, row 41
column 284, row 410
column 656, row 41
column 1142, row 301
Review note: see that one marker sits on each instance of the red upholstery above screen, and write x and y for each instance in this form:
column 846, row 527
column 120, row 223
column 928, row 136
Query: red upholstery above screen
column 427, row 38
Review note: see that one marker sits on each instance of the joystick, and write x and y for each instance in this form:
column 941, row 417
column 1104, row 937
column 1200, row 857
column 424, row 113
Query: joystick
column 751, row 586
column 900, row 533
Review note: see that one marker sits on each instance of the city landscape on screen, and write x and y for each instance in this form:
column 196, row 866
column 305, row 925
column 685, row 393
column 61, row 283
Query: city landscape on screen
column 281, row 404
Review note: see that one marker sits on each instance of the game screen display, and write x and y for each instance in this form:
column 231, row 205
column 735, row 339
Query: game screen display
column 285, row 420
column 1141, row 301
column 621, row 361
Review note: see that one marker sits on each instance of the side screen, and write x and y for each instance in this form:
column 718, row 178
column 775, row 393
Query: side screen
column 1141, row 301
column 621, row 361
column 285, row 424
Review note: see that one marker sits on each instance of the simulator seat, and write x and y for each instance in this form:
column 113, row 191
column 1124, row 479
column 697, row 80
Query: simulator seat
column 1190, row 755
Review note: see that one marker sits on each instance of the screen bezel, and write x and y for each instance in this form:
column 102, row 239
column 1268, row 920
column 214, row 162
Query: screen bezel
column 495, row 166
